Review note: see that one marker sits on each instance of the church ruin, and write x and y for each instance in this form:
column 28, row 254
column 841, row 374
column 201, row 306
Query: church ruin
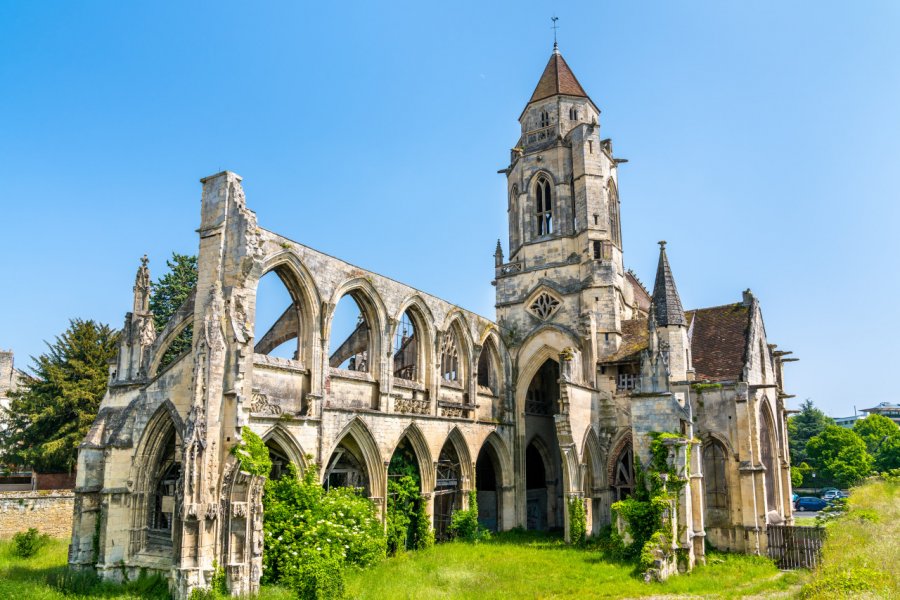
column 553, row 400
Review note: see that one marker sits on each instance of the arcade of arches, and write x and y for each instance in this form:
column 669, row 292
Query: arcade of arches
column 551, row 401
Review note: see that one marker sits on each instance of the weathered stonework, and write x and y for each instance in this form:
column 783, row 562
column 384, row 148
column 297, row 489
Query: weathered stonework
column 49, row 512
column 555, row 400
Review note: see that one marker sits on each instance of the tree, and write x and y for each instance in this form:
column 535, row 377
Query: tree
column 52, row 411
column 840, row 456
column 802, row 427
column 168, row 294
column 882, row 438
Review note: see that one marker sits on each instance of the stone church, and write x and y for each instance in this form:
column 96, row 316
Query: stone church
column 551, row 401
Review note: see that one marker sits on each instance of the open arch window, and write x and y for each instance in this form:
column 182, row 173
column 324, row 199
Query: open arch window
column 545, row 118
column 615, row 227
column 278, row 323
column 623, row 474
column 166, row 473
column 350, row 340
column 715, row 485
column 406, row 349
column 450, row 357
column 488, row 368
column 543, row 206
column 542, row 397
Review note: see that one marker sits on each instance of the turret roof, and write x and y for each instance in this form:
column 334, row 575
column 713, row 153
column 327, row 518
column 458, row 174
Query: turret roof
column 557, row 79
column 665, row 294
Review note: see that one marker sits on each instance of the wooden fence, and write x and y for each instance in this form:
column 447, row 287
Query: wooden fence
column 795, row 547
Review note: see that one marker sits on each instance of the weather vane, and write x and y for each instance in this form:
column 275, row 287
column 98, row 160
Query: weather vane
column 554, row 18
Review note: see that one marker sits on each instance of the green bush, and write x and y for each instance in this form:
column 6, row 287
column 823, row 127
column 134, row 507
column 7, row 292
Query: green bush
column 28, row 543
column 311, row 534
column 577, row 521
column 464, row 523
column 253, row 454
column 848, row 583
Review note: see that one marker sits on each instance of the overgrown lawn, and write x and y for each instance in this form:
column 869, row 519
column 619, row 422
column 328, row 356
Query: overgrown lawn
column 527, row 565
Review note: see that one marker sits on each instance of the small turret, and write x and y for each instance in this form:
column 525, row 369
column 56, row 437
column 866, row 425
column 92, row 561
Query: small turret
column 139, row 331
column 665, row 294
column 498, row 254
column 668, row 320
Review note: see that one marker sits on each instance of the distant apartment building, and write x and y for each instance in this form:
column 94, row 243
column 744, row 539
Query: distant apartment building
column 848, row 421
column 885, row 409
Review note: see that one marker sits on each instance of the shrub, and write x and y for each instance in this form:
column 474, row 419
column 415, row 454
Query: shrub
column 311, row 534
column 28, row 543
column 577, row 521
column 253, row 454
column 464, row 523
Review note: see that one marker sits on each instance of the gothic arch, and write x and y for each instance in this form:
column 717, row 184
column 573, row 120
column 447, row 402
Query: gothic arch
column 305, row 300
column 716, row 465
column 714, row 436
column 545, row 173
column 423, row 323
column 357, row 430
column 551, row 472
column 503, row 456
column 182, row 318
column 456, row 324
column 371, row 307
column 290, row 445
column 768, row 454
column 621, row 442
column 615, row 222
column 151, row 462
column 459, row 443
column 592, row 459
column 423, row 455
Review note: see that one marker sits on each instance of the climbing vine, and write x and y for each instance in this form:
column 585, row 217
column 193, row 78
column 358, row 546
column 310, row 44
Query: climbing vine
column 577, row 521
column 646, row 513
column 408, row 526
column 253, row 454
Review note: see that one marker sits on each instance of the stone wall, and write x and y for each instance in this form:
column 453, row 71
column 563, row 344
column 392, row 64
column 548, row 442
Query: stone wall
column 49, row 512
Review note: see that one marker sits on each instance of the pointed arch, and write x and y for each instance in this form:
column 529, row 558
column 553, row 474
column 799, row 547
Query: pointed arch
column 421, row 343
column 456, row 350
column 300, row 319
column 179, row 322
column 459, row 443
column 368, row 337
column 768, row 454
column 423, row 455
column 615, row 224
column 592, row 459
column 289, row 444
column 501, row 451
column 371, row 457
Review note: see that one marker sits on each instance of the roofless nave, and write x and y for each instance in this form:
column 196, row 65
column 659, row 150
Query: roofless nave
column 550, row 402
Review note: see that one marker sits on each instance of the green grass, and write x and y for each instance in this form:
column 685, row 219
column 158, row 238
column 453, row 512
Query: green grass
column 513, row 565
column 518, row 565
column 861, row 556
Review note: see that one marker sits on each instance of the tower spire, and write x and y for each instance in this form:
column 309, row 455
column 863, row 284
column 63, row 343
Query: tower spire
column 666, row 303
column 554, row 27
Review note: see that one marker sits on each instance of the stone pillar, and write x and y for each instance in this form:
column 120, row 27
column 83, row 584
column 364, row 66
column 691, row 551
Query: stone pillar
column 696, row 483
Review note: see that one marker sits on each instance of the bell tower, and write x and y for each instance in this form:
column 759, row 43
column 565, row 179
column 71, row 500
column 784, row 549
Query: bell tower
column 565, row 243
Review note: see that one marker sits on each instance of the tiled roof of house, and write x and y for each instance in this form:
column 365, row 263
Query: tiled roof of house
column 719, row 341
column 641, row 295
column 557, row 79
column 635, row 339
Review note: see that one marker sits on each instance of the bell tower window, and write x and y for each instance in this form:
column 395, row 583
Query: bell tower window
column 545, row 118
column 573, row 114
column 544, row 206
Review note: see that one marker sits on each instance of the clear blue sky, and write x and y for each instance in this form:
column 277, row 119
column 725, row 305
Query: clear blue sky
column 763, row 139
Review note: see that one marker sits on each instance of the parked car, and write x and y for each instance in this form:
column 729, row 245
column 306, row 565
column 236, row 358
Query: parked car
column 809, row 503
column 831, row 495
column 794, row 497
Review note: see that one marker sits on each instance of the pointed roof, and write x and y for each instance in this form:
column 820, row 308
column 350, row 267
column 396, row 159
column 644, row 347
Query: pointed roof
column 557, row 79
column 665, row 294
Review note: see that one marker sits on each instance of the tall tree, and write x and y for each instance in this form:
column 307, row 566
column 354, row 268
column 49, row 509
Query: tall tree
column 882, row 438
column 168, row 294
column 52, row 411
column 802, row 427
column 840, row 456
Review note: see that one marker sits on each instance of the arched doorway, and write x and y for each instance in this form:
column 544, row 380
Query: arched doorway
column 405, row 505
column 488, row 486
column 543, row 465
column 347, row 467
column 715, row 484
column 623, row 473
column 447, row 489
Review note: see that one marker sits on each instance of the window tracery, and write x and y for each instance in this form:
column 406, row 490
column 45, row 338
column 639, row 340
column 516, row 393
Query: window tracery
column 544, row 206
column 450, row 357
column 544, row 305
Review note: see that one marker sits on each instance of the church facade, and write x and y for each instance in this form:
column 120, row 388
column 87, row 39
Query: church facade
column 551, row 402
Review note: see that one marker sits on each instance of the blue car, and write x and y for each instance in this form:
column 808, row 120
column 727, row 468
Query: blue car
column 809, row 503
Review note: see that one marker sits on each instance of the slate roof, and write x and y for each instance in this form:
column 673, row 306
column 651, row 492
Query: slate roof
column 557, row 79
column 719, row 341
column 665, row 294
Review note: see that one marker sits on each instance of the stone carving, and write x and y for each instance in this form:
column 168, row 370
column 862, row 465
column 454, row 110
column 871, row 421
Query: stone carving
column 544, row 305
column 260, row 405
column 453, row 412
column 414, row 406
